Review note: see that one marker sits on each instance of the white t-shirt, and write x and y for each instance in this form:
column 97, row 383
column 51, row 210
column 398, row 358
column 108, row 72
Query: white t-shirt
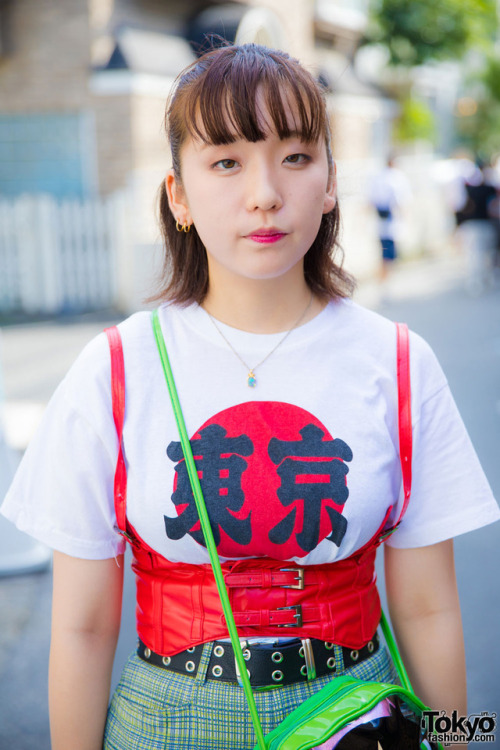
column 302, row 467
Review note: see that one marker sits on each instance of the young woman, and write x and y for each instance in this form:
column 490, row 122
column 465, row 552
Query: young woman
column 289, row 392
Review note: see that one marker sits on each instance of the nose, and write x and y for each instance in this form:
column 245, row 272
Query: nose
column 262, row 188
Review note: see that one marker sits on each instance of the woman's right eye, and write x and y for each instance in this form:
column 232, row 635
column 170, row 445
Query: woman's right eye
column 225, row 164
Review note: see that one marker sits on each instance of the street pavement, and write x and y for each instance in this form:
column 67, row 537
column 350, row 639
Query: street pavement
column 429, row 295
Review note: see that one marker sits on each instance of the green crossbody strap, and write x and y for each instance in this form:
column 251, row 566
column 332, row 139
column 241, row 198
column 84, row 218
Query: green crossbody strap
column 207, row 531
column 214, row 557
column 395, row 655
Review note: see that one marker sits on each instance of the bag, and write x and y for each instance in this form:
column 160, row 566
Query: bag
column 347, row 713
column 350, row 714
column 384, row 213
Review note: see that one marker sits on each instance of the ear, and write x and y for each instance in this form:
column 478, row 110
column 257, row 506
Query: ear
column 331, row 191
column 177, row 199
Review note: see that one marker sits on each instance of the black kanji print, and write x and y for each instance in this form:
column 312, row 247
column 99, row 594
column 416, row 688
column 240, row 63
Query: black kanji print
column 312, row 481
column 219, row 462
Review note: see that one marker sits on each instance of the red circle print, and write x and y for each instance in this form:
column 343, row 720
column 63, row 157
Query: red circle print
column 273, row 479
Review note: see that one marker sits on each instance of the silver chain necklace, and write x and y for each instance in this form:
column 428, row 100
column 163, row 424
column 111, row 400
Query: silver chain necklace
column 251, row 379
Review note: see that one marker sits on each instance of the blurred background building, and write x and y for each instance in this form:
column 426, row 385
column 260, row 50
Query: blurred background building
column 83, row 85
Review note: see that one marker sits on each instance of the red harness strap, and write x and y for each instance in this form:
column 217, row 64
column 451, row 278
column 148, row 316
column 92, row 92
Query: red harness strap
column 404, row 410
column 404, row 418
column 118, row 400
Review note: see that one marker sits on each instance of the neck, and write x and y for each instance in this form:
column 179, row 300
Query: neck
column 269, row 306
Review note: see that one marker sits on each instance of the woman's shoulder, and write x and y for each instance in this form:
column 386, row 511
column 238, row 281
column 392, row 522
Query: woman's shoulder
column 92, row 368
column 374, row 326
column 374, row 335
column 364, row 327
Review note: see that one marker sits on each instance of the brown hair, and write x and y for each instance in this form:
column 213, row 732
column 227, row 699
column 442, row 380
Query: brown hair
column 215, row 100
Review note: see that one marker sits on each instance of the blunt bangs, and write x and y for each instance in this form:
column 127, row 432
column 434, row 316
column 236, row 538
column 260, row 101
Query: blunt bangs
column 221, row 105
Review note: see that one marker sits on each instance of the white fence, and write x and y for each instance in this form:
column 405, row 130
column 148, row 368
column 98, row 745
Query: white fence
column 59, row 256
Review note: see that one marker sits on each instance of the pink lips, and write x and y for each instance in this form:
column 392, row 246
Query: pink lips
column 266, row 236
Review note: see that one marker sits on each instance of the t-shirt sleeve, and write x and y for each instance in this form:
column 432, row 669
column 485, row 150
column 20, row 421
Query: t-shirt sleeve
column 450, row 493
column 62, row 493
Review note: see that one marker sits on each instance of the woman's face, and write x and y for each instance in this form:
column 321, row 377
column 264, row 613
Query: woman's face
column 257, row 207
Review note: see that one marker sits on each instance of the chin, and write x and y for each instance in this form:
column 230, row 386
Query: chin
column 268, row 276
column 274, row 270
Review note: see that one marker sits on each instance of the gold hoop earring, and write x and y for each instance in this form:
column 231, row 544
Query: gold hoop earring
column 182, row 227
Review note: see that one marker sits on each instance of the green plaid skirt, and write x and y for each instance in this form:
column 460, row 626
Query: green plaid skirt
column 155, row 709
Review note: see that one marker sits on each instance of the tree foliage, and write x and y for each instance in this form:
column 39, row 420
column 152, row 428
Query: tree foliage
column 415, row 121
column 416, row 31
column 480, row 128
column 490, row 77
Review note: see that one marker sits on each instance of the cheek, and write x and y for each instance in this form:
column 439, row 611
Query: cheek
column 314, row 190
column 208, row 200
column 209, row 215
column 317, row 202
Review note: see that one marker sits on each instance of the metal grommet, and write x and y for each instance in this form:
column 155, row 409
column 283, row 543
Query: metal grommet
column 303, row 670
column 191, row 650
column 370, row 646
column 147, row 653
column 277, row 657
column 166, row 661
column 328, row 646
column 277, row 675
column 247, row 654
column 219, row 650
column 330, row 663
column 190, row 666
column 301, row 651
column 217, row 670
column 354, row 655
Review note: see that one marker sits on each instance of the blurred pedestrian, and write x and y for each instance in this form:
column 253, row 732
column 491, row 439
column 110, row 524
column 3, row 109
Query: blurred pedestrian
column 459, row 170
column 494, row 210
column 389, row 193
column 478, row 228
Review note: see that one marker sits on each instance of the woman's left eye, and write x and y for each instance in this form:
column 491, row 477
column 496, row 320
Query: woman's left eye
column 297, row 159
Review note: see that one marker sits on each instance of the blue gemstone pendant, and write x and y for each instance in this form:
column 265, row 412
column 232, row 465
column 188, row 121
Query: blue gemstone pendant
column 252, row 380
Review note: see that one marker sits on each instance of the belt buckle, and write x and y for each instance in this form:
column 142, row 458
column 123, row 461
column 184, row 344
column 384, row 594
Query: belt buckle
column 297, row 617
column 124, row 534
column 299, row 578
column 309, row 658
column 243, row 645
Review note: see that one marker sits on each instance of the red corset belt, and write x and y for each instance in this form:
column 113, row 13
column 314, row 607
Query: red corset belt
column 178, row 605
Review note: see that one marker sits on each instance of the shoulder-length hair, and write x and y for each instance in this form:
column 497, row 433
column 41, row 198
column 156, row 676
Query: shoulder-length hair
column 215, row 100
